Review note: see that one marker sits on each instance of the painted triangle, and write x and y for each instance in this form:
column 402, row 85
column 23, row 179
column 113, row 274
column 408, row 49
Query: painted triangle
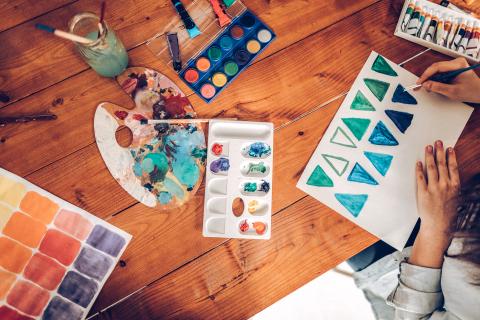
column 360, row 102
column 380, row 161
column 319, row 178
column 338, row 164
column 341, row 138
column 402, row 96
column 358, row 126
column 359, row 174
column 354, row 203
column 381, row 66
column 402, row 120
column 382, row 136
column 377, row 87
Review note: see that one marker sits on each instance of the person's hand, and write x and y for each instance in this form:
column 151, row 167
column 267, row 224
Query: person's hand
column 438, row 188
column 465, row 87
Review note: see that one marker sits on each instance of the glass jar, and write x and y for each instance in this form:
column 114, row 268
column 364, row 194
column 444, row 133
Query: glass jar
column 106, row 54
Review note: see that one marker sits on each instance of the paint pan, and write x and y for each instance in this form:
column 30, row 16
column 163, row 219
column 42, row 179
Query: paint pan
column 54, row 257
column 238, row 194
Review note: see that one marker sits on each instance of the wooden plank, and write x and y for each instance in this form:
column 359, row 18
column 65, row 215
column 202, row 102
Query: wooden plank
column 26, row 69
column 15, row 12
column 240, row 278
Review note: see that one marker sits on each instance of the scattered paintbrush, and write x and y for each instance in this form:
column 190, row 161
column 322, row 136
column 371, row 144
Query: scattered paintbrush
column 63, row 34
column 445, row 77
column 190, row 25
column 179, row 121
column 102, row 17
column 23, row 119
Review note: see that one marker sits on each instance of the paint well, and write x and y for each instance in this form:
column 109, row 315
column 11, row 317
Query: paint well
column 60, row 246
column 264, row 36
column 11, row 192
column 203, row 64
column 191, row 75
column 28, row 298
column 105, row 240
column 237, row 32
column 253, row 46
column 44, row 271
column 208, row 91
column 61, row 309
column 92, row 263
column 214, row 53
column 219, row 79
column 74, row 224
column 230, row 68
column 248, row 20
column 39, row 207
column 25, row 229
column 6, row 281
column 241, row 57
column 78, row 288
column 220, row 165
column 226, row 43
column 17, row 257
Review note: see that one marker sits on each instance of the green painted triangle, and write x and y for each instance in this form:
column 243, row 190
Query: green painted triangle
column 358, row 126
column 377, row 87
column 361, row 103
column 338, row 164
column 341, row 138
column 381, row 66
column 319, row 178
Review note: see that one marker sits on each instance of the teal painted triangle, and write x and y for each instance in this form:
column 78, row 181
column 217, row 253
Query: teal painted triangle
column 359, row 174
column 319, row 178
column 382, row 136
column 377, row 87
column 380, row 161
column 338, row 164
column 360, row 102
column 341, row 138
column 357, row 126
column 381, row 66
column 354, row 203
column 402, row 120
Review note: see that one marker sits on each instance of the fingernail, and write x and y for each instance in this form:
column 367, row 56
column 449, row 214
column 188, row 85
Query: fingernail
column 429, row 149
column 439, row 143
column 450, row 150
column 419, row 164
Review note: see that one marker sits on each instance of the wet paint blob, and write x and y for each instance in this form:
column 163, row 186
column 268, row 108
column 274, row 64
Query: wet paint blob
column 253, row 46
column 248, row 20
column 244, row 226
column 220, row 165
column 226, row 43
column 237, row 32
column 253, row 206
column 219, row 79
column 260, row 227
column 231, row 68
column 238, row 207
column 217, row 149
column 257, row 150
column 203, row 64
column 264, row 36
column 242, row 57
column 214, row 53
column 191, row 75
column 208, row 91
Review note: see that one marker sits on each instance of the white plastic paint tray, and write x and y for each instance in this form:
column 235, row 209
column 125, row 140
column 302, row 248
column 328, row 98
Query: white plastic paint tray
column 247, row 148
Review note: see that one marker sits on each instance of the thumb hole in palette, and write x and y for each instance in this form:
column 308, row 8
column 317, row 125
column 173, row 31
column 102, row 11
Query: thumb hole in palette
column 124, row 136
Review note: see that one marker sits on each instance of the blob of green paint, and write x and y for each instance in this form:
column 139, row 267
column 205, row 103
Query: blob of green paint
column 186, row 170
column 377, row 87
column 257, row 168
column 160, row 161
column 360, row 102
column 319, row 178
column 250, row 187
column 381, row 65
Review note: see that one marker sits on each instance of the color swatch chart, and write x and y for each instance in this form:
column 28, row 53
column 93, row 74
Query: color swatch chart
column 54, row 257
column 229, row 54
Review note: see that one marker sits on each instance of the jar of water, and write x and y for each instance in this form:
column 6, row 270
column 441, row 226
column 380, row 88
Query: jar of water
column 106, row 53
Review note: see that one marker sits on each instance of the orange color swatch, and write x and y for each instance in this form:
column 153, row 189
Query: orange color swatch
column 44, row 271
column 11, row 192
column 28, row 298
column 24, row 229
column 16, row 256
column 74, row 224
column 5, row 213
column 6, row 281
column 59, row 246
column 39, row 207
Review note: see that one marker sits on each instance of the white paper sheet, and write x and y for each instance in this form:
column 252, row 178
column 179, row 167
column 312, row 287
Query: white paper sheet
column 390, row 211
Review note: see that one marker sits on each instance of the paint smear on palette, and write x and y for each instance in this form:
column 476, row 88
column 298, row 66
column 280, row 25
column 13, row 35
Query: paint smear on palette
column 165, row 162
column 402, row 96
column 54, row 257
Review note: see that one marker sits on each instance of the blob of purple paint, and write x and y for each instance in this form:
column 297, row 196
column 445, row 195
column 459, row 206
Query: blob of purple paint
column 220, row 165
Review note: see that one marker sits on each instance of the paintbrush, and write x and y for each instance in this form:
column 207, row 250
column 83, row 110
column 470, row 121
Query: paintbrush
column 180, row 121
column 23, row 119
column 445, row 77
column 102, row 17
column 63, row 34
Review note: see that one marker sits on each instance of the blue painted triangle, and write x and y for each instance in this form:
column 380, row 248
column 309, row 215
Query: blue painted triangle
column 359, row 174
column 354, row 203
column 382, row 136
column 402, row 120
column 380, row 161
column 402, row 96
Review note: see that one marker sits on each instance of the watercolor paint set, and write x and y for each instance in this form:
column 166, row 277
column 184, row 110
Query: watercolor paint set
column 440, row 28
column 55, row 257
column 238, row 192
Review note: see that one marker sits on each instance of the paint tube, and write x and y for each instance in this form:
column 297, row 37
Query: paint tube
column 423, row 30
column 431, row 28
column 462, row 47
column 412, row 27
column 473, row 44
column 440, row 30
column 453, row 32
column 446, row 28
column 458, row 36
column 421, row 20
column 408, row 14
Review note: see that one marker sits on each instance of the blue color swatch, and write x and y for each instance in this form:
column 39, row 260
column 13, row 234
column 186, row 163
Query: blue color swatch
column 105, row 240
column 402, row 96
column 380, row 161
column 60, row 309
column 78, row 289
column 382, row 136
column 359, row 174
column 352, row 202
column 402, row 120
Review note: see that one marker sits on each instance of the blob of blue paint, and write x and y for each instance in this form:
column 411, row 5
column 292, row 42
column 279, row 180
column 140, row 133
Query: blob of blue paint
column 173, row 188
column 164, row 197
column 257, row 150
column 186, row 170
column 220, row 165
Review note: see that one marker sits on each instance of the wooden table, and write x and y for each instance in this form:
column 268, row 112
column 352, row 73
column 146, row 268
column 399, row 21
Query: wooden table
column 169, row 270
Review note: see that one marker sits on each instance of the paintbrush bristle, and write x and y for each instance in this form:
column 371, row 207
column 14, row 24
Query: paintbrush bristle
column 43, row 27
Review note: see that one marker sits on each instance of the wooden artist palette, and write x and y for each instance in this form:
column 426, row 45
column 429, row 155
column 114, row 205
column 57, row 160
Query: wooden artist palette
column 164, row 164
column 238, row 195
